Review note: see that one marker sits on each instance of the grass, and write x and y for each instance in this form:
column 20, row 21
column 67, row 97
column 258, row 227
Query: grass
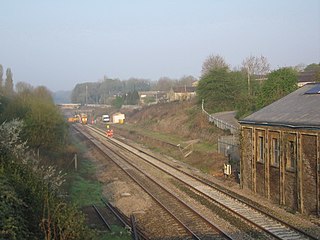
column 206, row 163
column 174, row 139
column 118, row 233
column 85, row 190
column 205, row 147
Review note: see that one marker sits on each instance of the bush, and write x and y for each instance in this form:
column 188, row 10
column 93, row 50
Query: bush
column 31, row 204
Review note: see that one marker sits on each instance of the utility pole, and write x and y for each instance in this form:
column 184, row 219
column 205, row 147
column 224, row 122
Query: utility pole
column 249, row 87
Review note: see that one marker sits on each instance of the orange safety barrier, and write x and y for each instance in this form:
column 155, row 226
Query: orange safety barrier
column 109, row 133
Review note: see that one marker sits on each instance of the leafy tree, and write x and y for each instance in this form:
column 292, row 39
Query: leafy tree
column 279, row 83
column 8, row 86
column 44, row 125
column 43, row 93
column 131, row 98
column 312, row 67
column 78, row 94
column 118, row 102
column 108, row 88
column 14, row 108
column 213, row 62
column 315, row 69
column 220, row 89
column 103, row 92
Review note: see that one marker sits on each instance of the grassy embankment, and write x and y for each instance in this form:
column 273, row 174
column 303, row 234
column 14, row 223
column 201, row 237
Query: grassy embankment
column 178, row 124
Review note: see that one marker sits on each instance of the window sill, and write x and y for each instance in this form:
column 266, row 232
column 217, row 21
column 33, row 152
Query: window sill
column 291, row 170
column 274, row 166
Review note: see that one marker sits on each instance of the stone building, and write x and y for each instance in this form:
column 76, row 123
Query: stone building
column 280, row 151
column 181, row 93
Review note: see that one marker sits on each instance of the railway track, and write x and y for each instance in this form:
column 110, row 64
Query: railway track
column 192, row 224
column 261, row 220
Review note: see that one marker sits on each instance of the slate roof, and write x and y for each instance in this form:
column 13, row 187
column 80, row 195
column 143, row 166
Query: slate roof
column 296, row 110
column 307, row 77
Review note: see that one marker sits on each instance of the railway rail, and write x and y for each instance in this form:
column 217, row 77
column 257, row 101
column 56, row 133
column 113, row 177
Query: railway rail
column 276, row 228
column 126, row 222
column 102, row 217
column 192, row 224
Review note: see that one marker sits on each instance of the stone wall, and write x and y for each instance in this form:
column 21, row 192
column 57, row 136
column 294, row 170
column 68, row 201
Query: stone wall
column 281, row 164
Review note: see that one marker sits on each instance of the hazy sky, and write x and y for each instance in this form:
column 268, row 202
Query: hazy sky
column 59, row 43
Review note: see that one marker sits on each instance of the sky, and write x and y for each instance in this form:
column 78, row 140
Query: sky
column 60, row 43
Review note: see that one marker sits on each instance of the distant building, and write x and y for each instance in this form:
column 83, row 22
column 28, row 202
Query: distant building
column 280, row 155
column 306, row 77
column 195, row 83
column 181, row 93
column 152, row 96
column 118, row 118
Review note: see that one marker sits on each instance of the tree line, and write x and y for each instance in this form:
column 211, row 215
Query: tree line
column 32, row 134
column 248, row 88
column 116, row 91
column 245, row 89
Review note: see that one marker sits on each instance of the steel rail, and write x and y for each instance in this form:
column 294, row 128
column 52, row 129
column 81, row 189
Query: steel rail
column 101, row 217
column 232, row 195
column 124, row 220
column 134, row 227
column 142, row 235
column 125, row 225
column 256, row 221
column 220, row 231
column 146, row 190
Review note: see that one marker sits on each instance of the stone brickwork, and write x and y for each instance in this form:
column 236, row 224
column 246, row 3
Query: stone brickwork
column 309, row 173
column 281, row 164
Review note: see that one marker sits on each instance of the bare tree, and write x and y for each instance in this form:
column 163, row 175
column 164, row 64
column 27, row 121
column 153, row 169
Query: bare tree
column 255, row 67
column 213, row 62
column 186, row 81
column 262, row 66
column 300, row 67
column 165, row 84
column 23, row 87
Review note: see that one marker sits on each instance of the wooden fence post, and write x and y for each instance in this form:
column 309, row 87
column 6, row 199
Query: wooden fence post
column 75, row 161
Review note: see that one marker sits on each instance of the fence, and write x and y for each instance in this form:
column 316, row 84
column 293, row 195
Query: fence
column 229, row 146
column 220, row 123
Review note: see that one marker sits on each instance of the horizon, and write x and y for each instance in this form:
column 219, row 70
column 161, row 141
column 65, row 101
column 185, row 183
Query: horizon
column 60, row 44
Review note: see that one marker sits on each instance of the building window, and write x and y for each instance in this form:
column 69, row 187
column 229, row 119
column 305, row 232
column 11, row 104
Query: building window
column 291, row 156
column 261, row 149
column 275, row 155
